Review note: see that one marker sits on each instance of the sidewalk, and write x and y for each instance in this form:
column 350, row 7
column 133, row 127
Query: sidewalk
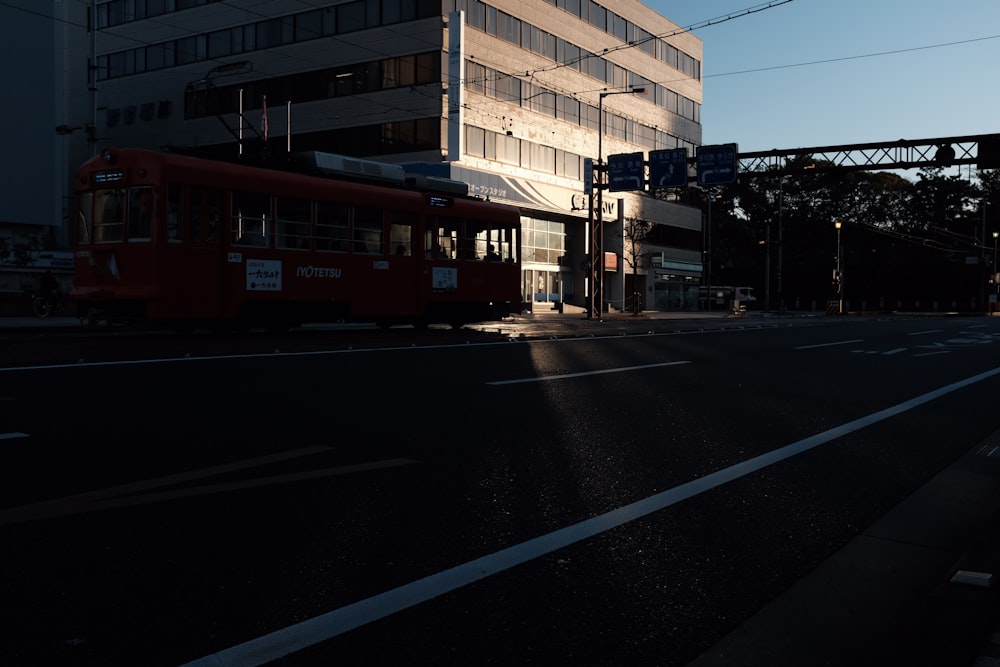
column 918, row 587
column 28, row 323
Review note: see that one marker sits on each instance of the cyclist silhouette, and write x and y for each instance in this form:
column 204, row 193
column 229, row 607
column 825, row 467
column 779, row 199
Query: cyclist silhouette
column 49, row 287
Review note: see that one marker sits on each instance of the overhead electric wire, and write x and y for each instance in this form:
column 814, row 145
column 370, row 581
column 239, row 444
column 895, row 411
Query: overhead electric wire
column 855, row 57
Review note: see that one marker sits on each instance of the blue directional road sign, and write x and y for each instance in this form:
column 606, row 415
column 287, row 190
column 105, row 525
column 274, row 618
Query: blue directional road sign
column 717, row 165
column 626, row 171
column 668, row 168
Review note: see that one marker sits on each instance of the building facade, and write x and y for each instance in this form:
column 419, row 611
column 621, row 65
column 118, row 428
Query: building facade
column 46, row 118
column 505, row 95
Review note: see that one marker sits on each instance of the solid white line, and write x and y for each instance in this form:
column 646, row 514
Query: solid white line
column 331, row 624
column 257, row 355
column 841, row 342
column 11, row 436
column 921, row 333
column 546, row 378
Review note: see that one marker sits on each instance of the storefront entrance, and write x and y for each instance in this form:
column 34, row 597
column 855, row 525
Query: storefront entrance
column 542, row 287
column 675, row 293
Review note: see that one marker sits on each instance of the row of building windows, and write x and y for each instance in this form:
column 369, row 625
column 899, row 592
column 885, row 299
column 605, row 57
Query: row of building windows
column 489, row 82
column 425, row 68
column 407, row 136
column 371, row 13
column 522, row 153
column 508, row 149
column 524, row 35
column 302, row 27
column 366, row 77
column 630, row 33
column 520, row 33
column 362, row 14
column 123, row 11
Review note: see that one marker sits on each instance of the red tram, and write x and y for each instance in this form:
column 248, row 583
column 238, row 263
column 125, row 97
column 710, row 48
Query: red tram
column 182, row 241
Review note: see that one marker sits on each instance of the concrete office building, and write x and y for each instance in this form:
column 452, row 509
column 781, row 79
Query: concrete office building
column 44, row 116
column 501, row 94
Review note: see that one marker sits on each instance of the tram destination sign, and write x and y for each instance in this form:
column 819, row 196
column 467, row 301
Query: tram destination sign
column 717, row 165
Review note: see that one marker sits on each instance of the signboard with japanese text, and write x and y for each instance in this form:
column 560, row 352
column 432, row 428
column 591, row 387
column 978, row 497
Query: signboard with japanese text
column 626, row 171
column 668, row 168
column 717, row 165
column 444, row 280
column 263, row 275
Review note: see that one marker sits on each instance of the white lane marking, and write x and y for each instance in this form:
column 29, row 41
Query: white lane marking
column 258, row 355
column 921, row 333
column 82, row 502
column 307, row 633
column 895, row 351
column 11, row 436
column 70, row 506
column 623, row 369
column 840, row 342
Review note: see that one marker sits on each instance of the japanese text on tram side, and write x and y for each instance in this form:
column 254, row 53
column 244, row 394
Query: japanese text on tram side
column 263, row 275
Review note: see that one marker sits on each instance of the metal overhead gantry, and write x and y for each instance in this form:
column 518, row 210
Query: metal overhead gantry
column 982, row 150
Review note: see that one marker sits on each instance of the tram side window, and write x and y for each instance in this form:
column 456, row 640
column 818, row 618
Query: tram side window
column 496, row 244
column 109, row 215
column 332, row 226
column 251, row 218
column 196, row 201
column 463, row 235
column 292, row 219
column 85, row 213
column 140, row 213
column 401, row 234
column 508, row 243
column 213, row 213
column 441, row 241
column 174, row 208
column 369, row 237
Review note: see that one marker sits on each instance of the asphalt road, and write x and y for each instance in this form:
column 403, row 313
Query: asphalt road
column 587, row 494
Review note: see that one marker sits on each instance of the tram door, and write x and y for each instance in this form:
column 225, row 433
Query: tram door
column 203, row 273
column 399, row 274
column 389, row 287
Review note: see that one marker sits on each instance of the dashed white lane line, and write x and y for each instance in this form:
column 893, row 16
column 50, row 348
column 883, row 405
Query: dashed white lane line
column 564, row 376
column 157, row 490
column 839, row 342
column 310, row 632
column 11, row 436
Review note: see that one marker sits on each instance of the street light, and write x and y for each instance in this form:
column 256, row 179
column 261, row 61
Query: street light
column 597, row 224
column 781, row 231
column 840, row 277
column 996, row 287
column 710, row 196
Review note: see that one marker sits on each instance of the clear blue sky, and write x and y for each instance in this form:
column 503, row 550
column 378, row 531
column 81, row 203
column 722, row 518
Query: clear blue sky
column 849, row 95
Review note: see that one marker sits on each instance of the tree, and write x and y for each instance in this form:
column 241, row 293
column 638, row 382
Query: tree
column 635, row 231
column 19, row 253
